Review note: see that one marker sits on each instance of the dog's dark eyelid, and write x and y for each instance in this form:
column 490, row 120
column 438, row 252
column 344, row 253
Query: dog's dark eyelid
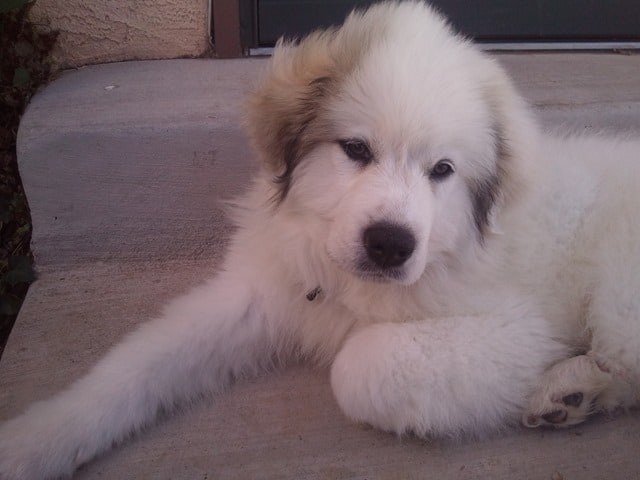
column 356, row 150
column 441, row 170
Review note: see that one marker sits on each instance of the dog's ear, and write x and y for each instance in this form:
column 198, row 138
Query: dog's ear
column 288, row 101
column 296, row 86
column 516, row 137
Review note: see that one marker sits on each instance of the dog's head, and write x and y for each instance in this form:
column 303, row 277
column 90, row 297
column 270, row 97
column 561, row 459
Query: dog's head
column 397, row 134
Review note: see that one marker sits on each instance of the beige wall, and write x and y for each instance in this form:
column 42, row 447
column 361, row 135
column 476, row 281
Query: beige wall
column 97, row 31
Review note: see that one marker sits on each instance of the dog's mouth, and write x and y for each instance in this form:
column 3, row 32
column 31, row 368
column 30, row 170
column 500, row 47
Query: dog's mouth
column 368, row 272
column 364, row 270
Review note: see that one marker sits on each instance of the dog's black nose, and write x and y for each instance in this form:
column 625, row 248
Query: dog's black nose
column 388, row 245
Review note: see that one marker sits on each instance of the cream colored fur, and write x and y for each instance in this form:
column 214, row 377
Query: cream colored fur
column 519, row 296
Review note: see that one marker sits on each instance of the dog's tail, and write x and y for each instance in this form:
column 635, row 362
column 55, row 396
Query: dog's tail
column 199, row 345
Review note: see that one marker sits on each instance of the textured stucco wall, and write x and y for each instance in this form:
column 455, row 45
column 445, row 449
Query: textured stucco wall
column 96, row 31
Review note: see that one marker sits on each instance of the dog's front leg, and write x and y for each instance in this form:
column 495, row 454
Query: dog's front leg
column 444, row 377
column 202, row 341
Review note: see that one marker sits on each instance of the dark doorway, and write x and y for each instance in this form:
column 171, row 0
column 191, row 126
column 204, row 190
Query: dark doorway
column 484, row 20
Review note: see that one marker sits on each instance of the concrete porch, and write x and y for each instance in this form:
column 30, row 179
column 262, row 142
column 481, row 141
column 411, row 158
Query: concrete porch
column 125, row 165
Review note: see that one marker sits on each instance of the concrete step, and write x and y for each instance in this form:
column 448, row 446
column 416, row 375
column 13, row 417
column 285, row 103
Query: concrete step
column 125, row 167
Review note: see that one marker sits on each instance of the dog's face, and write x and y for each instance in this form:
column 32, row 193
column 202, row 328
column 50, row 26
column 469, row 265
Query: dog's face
column 395, row 176
column 391, row 132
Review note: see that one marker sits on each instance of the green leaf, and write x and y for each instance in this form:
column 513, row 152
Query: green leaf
column 21, row 78
column 6, row 210
column 20, row 270
column 8, row 5
column 23, row 49
column 6, row 216
column 9, row 304
column 22, row 230
column 20, row 261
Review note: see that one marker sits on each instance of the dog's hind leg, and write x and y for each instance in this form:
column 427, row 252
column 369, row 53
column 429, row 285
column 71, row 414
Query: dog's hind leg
column 568, row 392
column 444, row 377
column 575, row 388
column 201, row 342
column 608, row 376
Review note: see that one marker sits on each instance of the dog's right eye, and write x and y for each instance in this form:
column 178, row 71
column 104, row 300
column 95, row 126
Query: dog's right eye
column 441, row 170
column 356, row 150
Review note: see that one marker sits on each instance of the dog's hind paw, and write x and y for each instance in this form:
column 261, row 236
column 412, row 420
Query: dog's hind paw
column 568, row 393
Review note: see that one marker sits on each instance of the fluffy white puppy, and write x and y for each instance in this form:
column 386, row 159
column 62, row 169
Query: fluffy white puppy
column 409, row 226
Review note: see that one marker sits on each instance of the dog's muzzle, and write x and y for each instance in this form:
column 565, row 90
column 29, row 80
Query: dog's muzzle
column 388, row 245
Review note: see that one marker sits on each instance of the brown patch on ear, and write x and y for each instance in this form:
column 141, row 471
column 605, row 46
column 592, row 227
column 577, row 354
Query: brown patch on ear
column 282, row 110
column 515, row 136
column 295, row 137
column 484, row 195
column 493, row 188
column 285, row 113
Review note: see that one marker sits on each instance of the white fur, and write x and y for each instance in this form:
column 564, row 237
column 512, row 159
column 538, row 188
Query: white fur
column 461, row 339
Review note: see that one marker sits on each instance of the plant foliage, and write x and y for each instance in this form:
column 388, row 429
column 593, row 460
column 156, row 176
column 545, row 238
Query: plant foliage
column 24, row 48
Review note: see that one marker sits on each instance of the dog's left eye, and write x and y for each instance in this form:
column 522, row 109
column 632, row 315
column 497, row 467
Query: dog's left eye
column 441, row 170
column 357, row 150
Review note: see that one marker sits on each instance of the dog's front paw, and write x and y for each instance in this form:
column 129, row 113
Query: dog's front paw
column 365, row 381
column 36, row 446
column 18, row 453
column 568, row 393
column 396, row 378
